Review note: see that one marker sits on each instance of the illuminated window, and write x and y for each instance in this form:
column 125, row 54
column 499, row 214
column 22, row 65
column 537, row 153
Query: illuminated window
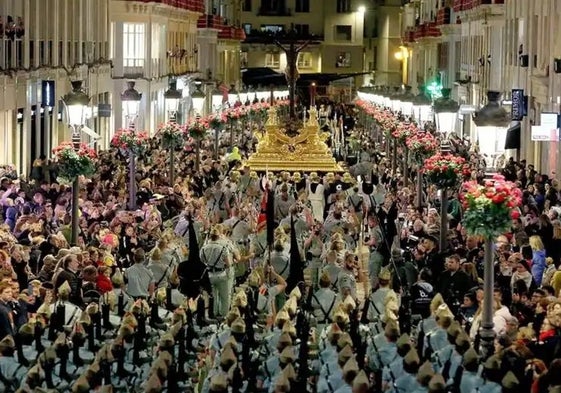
column 305, row 60
column 272, row 60
column 134, row 46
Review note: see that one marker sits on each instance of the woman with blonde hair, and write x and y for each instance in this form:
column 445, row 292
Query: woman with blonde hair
column 538, row 258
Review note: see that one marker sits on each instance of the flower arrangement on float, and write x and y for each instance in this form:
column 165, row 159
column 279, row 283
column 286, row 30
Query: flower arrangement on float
column 197, row 128
column 422, row 145
column 130, row 140
column 444, row 170
column 171, row 134
column 74, row 162
column 489, row 206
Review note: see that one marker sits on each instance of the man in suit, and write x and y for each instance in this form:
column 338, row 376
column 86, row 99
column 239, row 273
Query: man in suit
column 6, row 322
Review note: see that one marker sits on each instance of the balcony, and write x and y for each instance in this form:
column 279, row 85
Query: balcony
column 210, row 22
column 231, row 33
column 426, row 30
column 189, row 5
column 466, row 5
column 443, row 16
column 282, row 11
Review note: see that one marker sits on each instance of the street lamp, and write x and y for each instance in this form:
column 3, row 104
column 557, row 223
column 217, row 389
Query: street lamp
column 217, row 97
column 422, row 107
column 233, row 96
column 76, row 102
column 446, row 110
column 492, row 122
column 395, row 103
column 198, row 97
column 131, row 104
column 407, row 102
column 172, row 96
column 244, row 93
column 262, row 94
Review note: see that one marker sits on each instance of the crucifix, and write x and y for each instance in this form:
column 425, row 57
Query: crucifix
column 292, row 46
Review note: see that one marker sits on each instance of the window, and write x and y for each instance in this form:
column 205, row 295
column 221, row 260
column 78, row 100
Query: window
column 343, row 6
column 247, row 28
column 302, row 30
column 246, row 5
column 134, row 35
column 272, row 5
column 302, row 5
column 343, row 60
column 304, row 60
column 343, row 33
column 272, row 28
column 272, row 60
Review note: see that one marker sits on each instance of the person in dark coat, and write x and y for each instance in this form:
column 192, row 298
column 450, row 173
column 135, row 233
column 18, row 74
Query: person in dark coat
column 453, row 283
column 6, row 323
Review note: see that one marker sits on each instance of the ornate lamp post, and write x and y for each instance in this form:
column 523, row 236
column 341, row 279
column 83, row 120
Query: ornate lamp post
column 217, row 97
column 131, row 104
column 492, row 123
column 198, row 98
column 446, row 111
column 422, row 107
column 233, row 96
column 407, row 102
column 76, row 102
column 172, row 96
column 244, row 93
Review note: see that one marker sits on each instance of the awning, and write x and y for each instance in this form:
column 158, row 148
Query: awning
column 512, row 140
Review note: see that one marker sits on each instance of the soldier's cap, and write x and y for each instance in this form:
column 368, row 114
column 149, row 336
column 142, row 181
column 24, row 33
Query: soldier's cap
column 228, row 356
column 443, row 312
column 27, row 330
column 153, row 384
column 254, row 279
column 238, row 326
column 60, row 340
column 34, row 371
column 64, row 289
column 44, row 309
column 287, row 355
column 403, row 341
column 291, row 306
column 282, row 383
column 345, row 354
column 218, row 382
column 282, row 316
column 344, row 340
column 361, row 381
column 81, row 385
column 412, row 358
column 232, row 315
column 392, row 329
column 7, row 343
column 240, row 299
column 349, row 303
column 437, row 383
column 85, row 319
column 510, row 381
column 324, row 279
column 296, row 293
column 341, row 317
column 425, row 373
column 289, row 328
column 436, row 301
column 167, row 340
column 492, row 363
column 285, row 339
column 35, row 283
column 335, row 332
column 385, row 274
column 289, row 372
column 92, row 308
column 350, row 366
column 470, row 357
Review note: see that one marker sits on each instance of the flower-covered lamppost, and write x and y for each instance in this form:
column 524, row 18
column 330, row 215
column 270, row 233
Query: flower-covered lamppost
column 131, row 105
column 197, row 129
column 198, row 98
column 422, row 145
column 444, row 171
column 70, row 161
column 446, row 111
column 402, row 132
column 172, row 136
column 488, row 213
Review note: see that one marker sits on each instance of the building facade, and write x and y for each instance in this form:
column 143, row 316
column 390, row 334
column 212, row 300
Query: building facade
column 473, row 46
column 37, row 62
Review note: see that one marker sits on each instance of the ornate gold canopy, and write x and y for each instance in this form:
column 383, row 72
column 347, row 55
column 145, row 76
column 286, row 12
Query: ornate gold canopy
column 279, row 150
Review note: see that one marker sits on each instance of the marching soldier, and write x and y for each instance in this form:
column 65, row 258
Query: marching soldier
column 470, row 379
column 217, row 257
column 11, row 372
column 377, row 301
column 323, row 301
column 395, row 368
column 407, row 381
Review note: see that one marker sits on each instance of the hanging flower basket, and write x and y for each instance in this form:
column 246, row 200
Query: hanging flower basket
column 444, row 170
column 197, row 128
column 172, row 134
column 421, row 145
column 404, row 131
column 130, row 140
column 489, row 207
column 216, row 121
column 74, row 163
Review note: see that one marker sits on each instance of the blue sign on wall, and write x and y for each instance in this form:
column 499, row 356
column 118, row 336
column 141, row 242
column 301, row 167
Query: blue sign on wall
column 518, row 104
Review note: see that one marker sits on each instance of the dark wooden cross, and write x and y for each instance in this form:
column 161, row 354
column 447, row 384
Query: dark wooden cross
column 292, row 45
